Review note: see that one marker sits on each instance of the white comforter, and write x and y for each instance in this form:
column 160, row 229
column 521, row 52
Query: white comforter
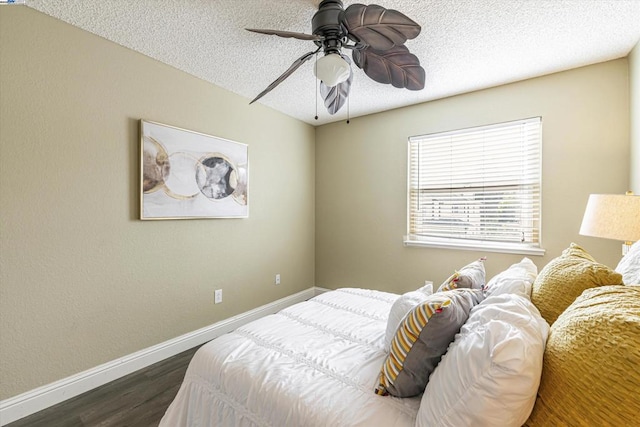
column 313, row 364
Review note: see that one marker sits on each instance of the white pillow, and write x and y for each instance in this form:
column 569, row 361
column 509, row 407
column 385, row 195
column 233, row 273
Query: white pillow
column 399, row 310
column 427, row 288
column 517, row 279
column 491, row 372
column 629, row 265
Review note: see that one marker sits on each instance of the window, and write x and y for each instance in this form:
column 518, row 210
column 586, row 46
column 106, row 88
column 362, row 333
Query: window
column 477, row 188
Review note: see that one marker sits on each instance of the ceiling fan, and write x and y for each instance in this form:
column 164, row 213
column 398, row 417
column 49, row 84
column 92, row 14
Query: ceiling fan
column 376, row 38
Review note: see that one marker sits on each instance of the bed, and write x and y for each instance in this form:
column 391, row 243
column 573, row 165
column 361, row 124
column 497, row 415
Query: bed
column 322, row 362
column 320, row 372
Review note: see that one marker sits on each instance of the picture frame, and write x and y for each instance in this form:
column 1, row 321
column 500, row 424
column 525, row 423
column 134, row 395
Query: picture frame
column 186, row 174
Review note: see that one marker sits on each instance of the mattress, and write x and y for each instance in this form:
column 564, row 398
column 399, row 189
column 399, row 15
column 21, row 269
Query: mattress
column 315, row 363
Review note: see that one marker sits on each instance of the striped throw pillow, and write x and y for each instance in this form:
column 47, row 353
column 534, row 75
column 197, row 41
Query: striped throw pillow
column 422, row 338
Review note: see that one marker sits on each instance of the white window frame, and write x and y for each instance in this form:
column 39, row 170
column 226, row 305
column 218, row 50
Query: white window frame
column 426, row 186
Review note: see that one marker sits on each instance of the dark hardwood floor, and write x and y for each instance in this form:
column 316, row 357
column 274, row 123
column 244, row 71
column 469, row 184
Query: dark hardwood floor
column 137, row 400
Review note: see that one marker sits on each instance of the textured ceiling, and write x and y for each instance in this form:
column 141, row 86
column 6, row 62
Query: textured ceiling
column 465, row 45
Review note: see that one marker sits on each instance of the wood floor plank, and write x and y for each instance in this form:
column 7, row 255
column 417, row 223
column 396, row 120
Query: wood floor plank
column 139, row 399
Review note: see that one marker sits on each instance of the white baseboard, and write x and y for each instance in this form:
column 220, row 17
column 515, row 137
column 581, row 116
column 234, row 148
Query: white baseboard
column 28, row 403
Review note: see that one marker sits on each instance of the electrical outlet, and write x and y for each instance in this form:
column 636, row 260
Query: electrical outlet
column 277, row 279
column 218, row 296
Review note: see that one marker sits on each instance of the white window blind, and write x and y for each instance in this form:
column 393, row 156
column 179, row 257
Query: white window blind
column 477, row 188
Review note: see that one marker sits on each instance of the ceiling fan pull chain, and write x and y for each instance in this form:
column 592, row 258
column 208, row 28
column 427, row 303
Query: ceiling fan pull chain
column 315, row 65
column 348, row 110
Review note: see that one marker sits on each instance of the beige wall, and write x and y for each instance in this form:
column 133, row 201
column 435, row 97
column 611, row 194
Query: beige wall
column 361, row 175
column 82, row 280
column 634, row 83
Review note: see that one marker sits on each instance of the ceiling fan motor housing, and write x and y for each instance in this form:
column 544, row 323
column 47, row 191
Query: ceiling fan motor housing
column 326, row 23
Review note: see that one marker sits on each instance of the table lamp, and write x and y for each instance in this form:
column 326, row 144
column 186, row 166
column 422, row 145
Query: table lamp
column 613, row 216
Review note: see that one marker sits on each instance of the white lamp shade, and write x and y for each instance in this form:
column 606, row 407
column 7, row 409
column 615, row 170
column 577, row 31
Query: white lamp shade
column 332, row 69
column 612, row 216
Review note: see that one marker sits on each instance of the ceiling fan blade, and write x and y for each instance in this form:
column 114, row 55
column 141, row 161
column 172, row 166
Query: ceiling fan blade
column 378, row 27
column 287, row 34
column 396, row 66
column 298, row 62
column 335, row 97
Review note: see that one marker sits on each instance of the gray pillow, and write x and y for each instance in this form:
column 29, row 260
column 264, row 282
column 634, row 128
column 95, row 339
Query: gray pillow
column 470, row 276
column 422, row 338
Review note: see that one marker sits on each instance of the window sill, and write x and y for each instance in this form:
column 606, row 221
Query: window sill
column 477, row 246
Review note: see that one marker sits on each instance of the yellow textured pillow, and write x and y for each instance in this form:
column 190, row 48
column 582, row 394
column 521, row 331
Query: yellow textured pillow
column 564, row 278
column 590, row 374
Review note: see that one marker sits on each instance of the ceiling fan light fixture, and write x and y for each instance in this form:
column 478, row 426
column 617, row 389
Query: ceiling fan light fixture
column 332, row 69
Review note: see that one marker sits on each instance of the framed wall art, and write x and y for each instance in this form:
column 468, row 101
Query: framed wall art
column 186, row 174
